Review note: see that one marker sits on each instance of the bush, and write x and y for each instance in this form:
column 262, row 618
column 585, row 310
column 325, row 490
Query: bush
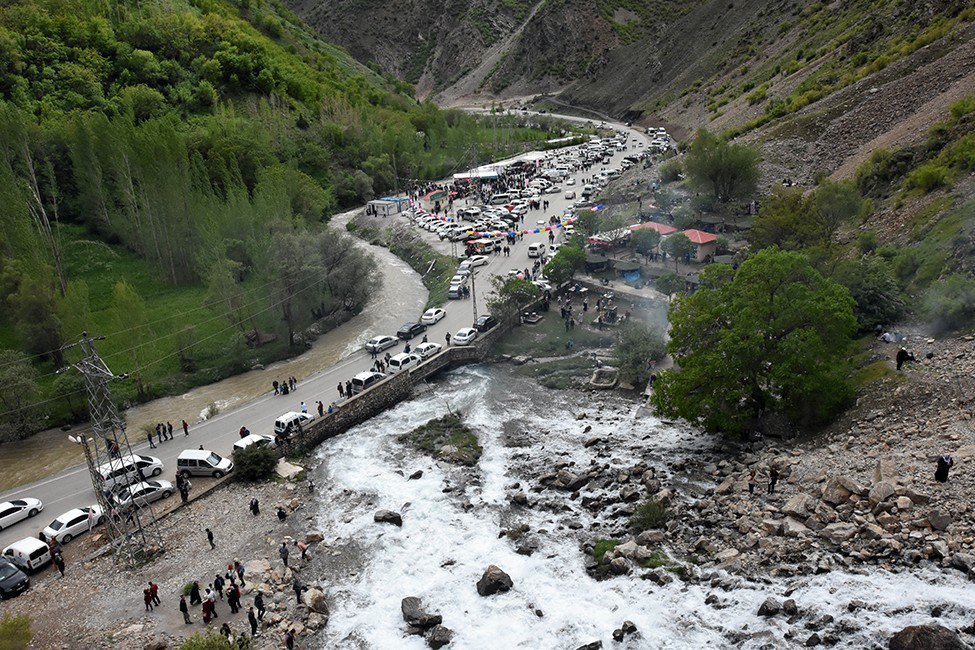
column 871, row 281
column 950, row 305
column 875, row 177
column 602, row 547
column 638, row 345
column 650, row 514
column 867, row 241
column 15, row 632
column 213, row 640
column 670, row 171
column 255, row 463
column 928, row 177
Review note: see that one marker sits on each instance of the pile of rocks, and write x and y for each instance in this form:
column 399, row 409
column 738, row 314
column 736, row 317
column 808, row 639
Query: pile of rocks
column 421, row 623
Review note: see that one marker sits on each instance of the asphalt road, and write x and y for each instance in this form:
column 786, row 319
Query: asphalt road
column 72, row 487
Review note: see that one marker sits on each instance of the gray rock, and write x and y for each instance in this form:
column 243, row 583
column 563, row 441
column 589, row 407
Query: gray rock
column 628, row 627
column 388, row 517
column 813, row 640
column 835, row 493
column 770, row 607
column 789, row 607
column 793, row 528
column 619, row 566
column 494, row 581
column 926, row 637
column 417, row 474
column 881, row 491
column 415, row 615
column 156, row 643
column 964, row 562
column 799, row 506
column 839, row 532
column 316, row 601
column 439, row 637
column 314, row 536
column 939, row 520
column 595, row 645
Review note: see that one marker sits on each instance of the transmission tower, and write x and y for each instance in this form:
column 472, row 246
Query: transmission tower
column 133, row 531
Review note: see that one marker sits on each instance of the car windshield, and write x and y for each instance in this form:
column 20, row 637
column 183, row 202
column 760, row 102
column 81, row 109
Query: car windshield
column 7, row 571
column 57, row 524
column 214, row 459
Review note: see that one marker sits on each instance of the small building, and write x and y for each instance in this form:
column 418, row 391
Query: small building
column 661, row 228
column 388, row 206
column 705, row 244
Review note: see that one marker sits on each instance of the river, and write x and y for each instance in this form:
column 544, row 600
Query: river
column 452, row 525
column 402, row 292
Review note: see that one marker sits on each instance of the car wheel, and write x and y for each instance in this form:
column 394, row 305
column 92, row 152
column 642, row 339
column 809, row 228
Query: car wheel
column 166, row 494
column 33, row 511
column 218, row 474
column 157, row 471
column 67, row 538
column 101, row 520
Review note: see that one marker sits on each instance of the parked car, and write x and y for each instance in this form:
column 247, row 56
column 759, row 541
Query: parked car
column 410, row 330
column 202, row 462
column 17, row 510
column 464, row 336
column 255, row 439
column 432, row 316
column 427, row 350
column 29, row 554
column 403, row 361
column 290, row 421
column 144, row 493
column 364, row 380
column 485, row 322
column 73, row 523
column 543, row 285
column 570, row 195
column 380, row 343
column 13, row 581
column 477, row 260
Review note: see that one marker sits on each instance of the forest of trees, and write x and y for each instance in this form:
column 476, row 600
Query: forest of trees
column 167, row 173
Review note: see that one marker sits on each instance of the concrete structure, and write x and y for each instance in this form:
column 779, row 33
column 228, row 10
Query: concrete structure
column 388, row 206
column 705, row 245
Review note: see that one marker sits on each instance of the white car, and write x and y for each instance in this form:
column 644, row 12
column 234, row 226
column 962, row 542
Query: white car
column 380, row 343
column 73, row 523
column 431, row 316
column 143, row 493
column 464, row 336
column 403, row 361
column 543, row 285
column 258, row 439
column 427, row 350
column 13, row 511
column 570, row 181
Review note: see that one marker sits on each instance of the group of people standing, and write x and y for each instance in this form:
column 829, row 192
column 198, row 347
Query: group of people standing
column 164, row 432
column 289, row 385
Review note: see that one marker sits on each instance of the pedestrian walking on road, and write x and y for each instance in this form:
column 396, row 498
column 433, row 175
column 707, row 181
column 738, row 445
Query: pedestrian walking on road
column 185, row 610
column 195, row 594
column 59, row 563
column 447, row 336
column 186, row 428
column 342, row 390
column 348, row 389
column 303, row 548
column 259, row 604
column 304, row 407
column 207, row 611
column 252, row 620
column 169, row 429
column 283, row 552
column 773, row 478
column 154, row 591
column 274, row 384
column 210, row 539
column 151, row 445
column 218, row 584
column 233, row 598
column 147, row 598
column 255, row 507
column 321, row 408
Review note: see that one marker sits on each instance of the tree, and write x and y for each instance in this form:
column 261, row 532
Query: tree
column 510, row 295
column 255, row 463
column 637, row 346
column 588, row 223
column 34, row 308
column 18, row 392
column 670, row 283
column 129, row 311
column 677, row 246
column 226, row 293
column 728, row 170
column 296, row 265
column 350, row 272
column 74, row 312
column 831, row 205
column 645, row 240
column 70, row 387
column 773, row 339
column 879, row 299
column 780, row 221
column 566, row 262
column 15, row 632
column 950, row 304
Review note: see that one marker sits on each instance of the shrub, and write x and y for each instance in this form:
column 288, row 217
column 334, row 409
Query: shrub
column 638, row 345
column 213, row 640
column 670, row 171
column 602, row 547
column 15, row 632
column 875, row 177
column 950, row 305
column 928, row 177
column 255, row 463
column 867, row 241
column 879, row 300
column 963, row 107
column 650, row 514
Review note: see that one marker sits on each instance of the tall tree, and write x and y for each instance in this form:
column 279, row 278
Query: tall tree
column 18, row 393
column 728, row 170
column 297, row 268
column 772, row 339
column 677, row 246
column 131, row 325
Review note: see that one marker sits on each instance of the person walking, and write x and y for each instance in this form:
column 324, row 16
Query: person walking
column 941, row 473
column 289, row 639
column 147, row 598
column 154, row 592
column 752, row 482
column 207, row 611
column 195, row 594
column 298, row 587
column 773, row 478
column 259, row 604
column 342, row 390
column 233, row 598
column 210, row 539
column 255, row 507
column 303, row 548
column 169, row 429
column 321, row 408
column 184, row 608
column 283, row 552
column 186, row 428
column 184, row 492
column 218, row 584
column 348, row 389
column 212, row 599
column 282, row 515
column 252, row 619
column 447, row 337
column 59, row 563
column 304, row 407
column 239, row 568
column 151, row 444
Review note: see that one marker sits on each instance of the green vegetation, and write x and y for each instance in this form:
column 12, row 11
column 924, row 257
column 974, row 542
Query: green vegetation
column 602, row 547
column 669, row 284
column 671, row 170
column 569, row 259
column 511, row 295
column 792, row 221
column 559, row 374
column 728, row 171
column 213, row 640
column 447, row 432
column 678, row 246
column 645, row 240
column 15, row 632
column 650, row 514
column 770, row 338
column 950, row 304
column 637, row 347
column 255, row 463
column 878, row 298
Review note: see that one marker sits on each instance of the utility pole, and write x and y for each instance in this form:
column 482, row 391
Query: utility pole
column 474, row 297
column 133, row 531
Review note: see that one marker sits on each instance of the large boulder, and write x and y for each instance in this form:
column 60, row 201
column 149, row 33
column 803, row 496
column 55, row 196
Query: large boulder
column 770, row 607
column 494, row 581
column 880, row 492
column 388, row 517
column 885, row 470
column 157, row 643
column 314, row 536
column 439, row 636
column 926, row 637
column 835, row 493
column 793, row 528
column 939, row 520
column 569, row 481
column 799, row 506
column 316, row 600
column 839, row 532
column 414, row 614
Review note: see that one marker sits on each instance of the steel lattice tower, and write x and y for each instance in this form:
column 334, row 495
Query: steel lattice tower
column 134, row 532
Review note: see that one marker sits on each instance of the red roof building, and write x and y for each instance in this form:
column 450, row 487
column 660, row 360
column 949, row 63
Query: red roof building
column 653, row 225
column 705, row 245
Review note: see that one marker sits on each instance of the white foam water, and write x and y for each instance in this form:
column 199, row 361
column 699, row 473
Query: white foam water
column 448, row 539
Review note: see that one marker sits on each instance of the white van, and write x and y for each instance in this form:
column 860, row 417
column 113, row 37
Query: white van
column 29, row 554
column 203, row 462
column 500, row 198
column 289, row 422
column 536, row 249
column 403, row 361
column 365, row 380
column 128, row 469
